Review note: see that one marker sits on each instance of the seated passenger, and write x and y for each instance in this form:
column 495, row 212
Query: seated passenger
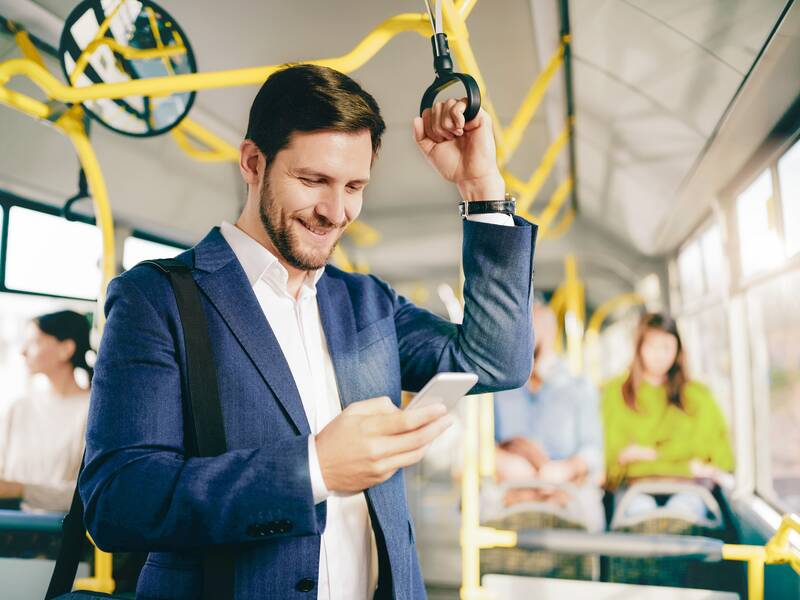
column 659, row 423
column 42, row 435
column 549, row 431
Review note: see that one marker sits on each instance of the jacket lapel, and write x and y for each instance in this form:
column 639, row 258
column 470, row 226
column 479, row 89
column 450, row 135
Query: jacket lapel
column 222, row 279
column 339, row 325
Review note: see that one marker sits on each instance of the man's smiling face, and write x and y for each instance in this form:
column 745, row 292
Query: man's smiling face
column 312, row 190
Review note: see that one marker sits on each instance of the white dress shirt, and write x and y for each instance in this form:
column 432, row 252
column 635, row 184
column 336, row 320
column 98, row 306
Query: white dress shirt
column 348, row 561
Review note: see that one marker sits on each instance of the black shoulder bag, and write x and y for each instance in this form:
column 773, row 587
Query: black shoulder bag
column 205, row 437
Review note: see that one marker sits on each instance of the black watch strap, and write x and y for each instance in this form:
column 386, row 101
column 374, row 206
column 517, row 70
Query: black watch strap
column 483, row 207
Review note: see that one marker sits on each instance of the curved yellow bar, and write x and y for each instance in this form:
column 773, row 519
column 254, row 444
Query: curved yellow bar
column 126, row 51
column 605, row 309
column 161, row 86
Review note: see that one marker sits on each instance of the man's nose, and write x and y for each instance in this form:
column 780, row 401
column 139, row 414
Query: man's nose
column 332, row 205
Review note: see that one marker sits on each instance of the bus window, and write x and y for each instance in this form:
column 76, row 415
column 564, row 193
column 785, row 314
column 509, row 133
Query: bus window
column 708, row 352
column 137, row 249
column 762, row 249
column 50, row 255
column 714, row 260
column 789, row 176
column 690, row 271
column 775, row 335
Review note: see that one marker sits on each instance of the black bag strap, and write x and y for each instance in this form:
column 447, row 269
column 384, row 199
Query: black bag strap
column 206, row 437
column 73, row 542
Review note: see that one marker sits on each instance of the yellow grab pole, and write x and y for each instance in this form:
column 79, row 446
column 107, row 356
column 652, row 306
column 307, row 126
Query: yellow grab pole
column 71, row 123
column 554, row 205
column 755, row 579
column 574, row 314
column 778, row 550
column 24, row 103
column 556, row 231
column 126, row 51
column 220, row 149
column 514, row 132
column 25, row 44
column 161, row 86
column 486, row 444
column 529, row 190
column 465, row 7
column 470, row 519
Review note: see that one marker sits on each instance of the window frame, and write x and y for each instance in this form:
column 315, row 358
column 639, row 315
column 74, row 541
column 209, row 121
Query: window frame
column 9, row 200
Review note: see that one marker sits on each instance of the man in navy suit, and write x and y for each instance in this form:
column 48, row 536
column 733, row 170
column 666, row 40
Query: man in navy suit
column 310, row 361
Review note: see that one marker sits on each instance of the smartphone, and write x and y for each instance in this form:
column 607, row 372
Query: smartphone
column 445, row 388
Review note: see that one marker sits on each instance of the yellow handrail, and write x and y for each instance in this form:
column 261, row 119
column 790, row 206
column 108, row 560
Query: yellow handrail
column 528, row 190
column 162, row 86
column 514, row 132
column 778, row 550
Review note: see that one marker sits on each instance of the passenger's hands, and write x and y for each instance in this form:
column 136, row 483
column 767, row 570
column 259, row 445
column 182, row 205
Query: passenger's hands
column 512, row 467
column 527, row 448
column 636, row 453
column 463, row 153
column 705, row 470
column 371, row 439
column 557, row 471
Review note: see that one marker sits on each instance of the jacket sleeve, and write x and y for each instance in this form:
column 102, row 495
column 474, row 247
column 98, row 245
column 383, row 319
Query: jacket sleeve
column 495, row 340
column 140, row 490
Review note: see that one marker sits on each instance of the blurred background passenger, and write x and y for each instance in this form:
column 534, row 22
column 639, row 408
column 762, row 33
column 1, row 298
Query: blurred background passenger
column 42, row 434
column 660, row 424
column 549, row 431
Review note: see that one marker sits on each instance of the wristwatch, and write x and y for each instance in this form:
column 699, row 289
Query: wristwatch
column 483, row 207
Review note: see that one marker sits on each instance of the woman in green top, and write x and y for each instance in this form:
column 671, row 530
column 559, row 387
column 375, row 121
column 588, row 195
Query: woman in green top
column 658, row 423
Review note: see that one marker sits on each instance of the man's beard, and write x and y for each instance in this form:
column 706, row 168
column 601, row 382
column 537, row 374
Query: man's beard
column 278, row 227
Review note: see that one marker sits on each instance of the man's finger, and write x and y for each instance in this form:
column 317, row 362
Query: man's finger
column 427, row 120
column 411, row 440
column 432, row 124
column 406, row 420
column 404, row 459
column 479, row 120
column 457, row 114
column 439, row 121
column 424, row 143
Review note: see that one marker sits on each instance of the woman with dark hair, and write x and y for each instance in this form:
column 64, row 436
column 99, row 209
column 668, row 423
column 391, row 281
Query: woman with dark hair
column 42, row 435
column 658, row 422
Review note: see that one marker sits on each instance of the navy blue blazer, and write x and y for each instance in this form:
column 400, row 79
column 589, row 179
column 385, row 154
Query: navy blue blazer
column 140, row 491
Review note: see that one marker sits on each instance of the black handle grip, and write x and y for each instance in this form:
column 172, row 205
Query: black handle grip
column 445, row 80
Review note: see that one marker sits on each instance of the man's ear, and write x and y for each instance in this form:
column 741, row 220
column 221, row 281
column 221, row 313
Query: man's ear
column 250, row 163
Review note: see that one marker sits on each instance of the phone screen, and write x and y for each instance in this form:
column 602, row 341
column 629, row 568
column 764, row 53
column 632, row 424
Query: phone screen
column 445, row 388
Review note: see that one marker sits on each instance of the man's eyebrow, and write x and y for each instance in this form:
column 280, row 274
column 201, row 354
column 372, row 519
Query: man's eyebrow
column 319, row 175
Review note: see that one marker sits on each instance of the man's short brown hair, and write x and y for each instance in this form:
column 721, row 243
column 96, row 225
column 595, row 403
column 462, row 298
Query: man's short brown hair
column 310, row 98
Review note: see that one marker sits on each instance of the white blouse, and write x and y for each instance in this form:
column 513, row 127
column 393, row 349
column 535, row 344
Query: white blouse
column 42, row 438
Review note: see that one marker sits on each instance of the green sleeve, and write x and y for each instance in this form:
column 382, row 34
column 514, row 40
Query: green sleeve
column 707, row 440
column 714, row 436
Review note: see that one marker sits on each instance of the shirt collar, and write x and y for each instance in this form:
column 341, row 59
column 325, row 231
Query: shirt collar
column 260, row 263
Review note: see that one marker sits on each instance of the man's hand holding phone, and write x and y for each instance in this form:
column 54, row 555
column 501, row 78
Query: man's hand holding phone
column 370, row 440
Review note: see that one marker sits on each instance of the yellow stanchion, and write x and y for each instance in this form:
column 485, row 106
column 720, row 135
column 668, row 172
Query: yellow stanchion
column 574, row 315
column 778, row 550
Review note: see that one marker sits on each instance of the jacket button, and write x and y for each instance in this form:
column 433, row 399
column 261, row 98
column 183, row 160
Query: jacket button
column 253, row 530
column 305, row 585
